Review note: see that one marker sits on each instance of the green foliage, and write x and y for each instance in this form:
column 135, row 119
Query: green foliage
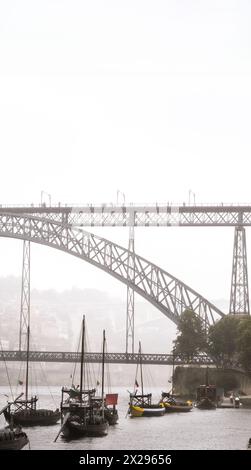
column 223, row 340
column 244, row 343
column 228, row 342
column 192, row 336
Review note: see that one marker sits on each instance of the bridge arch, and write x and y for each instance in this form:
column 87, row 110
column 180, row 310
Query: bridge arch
column 167, row 293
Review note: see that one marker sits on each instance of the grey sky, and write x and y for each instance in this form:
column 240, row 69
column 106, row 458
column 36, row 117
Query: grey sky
column 149, row 97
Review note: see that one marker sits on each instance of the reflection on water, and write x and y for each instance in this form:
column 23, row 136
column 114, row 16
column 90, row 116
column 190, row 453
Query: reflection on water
column 198, row 429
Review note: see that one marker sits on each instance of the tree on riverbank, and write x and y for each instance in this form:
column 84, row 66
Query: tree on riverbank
column 223, row 340
column 228, row 341
column 244, row 343
column 191, row 338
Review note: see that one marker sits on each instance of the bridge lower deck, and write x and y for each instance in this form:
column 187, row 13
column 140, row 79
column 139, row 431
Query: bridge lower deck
column 112, row 358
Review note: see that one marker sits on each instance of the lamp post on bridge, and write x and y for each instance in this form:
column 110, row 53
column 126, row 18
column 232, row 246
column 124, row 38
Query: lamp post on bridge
column 46, row 194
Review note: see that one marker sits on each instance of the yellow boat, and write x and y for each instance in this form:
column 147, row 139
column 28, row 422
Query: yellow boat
column 178, row 407
column 141, row 404
column 151, row 410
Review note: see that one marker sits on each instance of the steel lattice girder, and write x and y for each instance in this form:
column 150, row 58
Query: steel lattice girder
column 116, row 358
column 154, row 215
column 130, row 294
column 239, row 297
column 164, row 291
column 25, row 296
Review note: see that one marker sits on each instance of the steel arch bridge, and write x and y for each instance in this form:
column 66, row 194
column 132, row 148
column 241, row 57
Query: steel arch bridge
column 161, row 289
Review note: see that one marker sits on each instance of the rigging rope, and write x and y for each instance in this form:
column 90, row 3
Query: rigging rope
column 7, row 373
column 72, row 376
column 90, row 366
column 43, row 377
column 46, row 383
column 20, row 383
column 108, row 376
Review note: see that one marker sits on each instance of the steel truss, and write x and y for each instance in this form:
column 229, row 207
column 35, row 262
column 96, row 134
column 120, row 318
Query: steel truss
column 161, row 289
column 25, row 297
column 113, row 358
column 145, row 216
column 130, row 294
column 239, row 297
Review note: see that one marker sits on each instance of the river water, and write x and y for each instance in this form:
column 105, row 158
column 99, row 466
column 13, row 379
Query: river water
column 198, row 429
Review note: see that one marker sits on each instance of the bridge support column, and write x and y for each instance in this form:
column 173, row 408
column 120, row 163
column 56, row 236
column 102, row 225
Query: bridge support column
column 25, row 296
column 239, row 297
column 130, row 293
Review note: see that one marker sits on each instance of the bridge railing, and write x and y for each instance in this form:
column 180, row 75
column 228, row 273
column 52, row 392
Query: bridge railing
column 130, row 204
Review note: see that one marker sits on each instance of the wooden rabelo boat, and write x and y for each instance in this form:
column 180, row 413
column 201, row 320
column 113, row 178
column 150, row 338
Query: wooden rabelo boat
column 170, row 401
column 81, row 414
column 12, row 438
column 24, row 412
column 110, row 410
column 110, row 402
column 206, row 396
column 171, row 404
column 141, row 404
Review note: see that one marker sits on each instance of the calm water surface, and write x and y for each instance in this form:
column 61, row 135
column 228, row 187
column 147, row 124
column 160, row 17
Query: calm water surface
column 198, row 429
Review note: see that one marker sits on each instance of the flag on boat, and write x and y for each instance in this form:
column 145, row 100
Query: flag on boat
column 136, row 383
column 20, row 382
column 98, row 383
column 111, row 399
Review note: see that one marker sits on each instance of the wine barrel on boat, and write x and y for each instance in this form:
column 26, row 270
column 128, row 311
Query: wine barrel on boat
column 12, row 439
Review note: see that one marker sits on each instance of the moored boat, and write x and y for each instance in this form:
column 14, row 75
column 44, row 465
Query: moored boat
column 82, row 414
column 206, row 404
column 12, row 438
column 139, row 411
column 141, row 404
column 206, row 396
column 24, row 412
column 84, row 421
column 171, row 404
column 110, row 410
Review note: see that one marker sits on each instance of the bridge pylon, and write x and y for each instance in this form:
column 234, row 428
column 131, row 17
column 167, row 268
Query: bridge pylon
column 239, row 296
column 25, row 297
column 130, row 293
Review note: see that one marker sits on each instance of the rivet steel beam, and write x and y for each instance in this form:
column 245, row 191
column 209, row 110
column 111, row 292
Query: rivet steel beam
column 239, row 296
column 167, row 293
column 25, row 297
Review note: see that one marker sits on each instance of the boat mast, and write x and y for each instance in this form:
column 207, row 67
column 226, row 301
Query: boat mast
column 141, row 369
column 82, row 357
column 172, row 375
column 27, row 364
column 207, row 383
column 103, row 373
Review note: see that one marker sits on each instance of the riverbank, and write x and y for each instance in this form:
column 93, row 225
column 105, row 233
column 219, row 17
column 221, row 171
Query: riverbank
column 187, row 379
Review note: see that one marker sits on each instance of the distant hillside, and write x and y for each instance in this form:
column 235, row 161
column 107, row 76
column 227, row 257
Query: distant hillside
column 56, row 318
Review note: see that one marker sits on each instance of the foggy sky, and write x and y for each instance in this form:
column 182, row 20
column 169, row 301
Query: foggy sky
column 149, row 97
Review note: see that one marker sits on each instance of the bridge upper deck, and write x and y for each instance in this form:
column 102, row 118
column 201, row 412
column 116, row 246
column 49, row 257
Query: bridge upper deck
column 155, row 215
